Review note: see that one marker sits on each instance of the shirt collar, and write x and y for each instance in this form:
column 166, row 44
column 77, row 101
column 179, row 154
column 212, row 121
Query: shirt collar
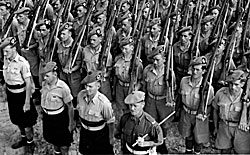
column 70, row 43
column 154, row 40
column 190, row 83
column 95, row 98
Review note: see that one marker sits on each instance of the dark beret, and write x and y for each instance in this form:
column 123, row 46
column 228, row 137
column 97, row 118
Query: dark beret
column 135, row 97
column 84, row 4
column 127, row 1
column 43, row 22
column 96, row 31
column 126, row 16
column 202, row 60
column 7, row 4
column 235, row 75
column 155, row 21
column 8, row 41
column 23, row 10
column 207, row 19
column 66, row 26
column 92, row 77
column 49, row 67
column 185, row 29
column 99, row 12
column 126, row 41
column 158, row 50
column 214, row 7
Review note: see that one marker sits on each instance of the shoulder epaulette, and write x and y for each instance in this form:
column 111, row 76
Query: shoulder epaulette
column 150, row 118
column 118, row 57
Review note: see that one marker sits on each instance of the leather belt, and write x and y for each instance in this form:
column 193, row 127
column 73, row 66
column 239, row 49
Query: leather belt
column 139, row 152
column 16, row 88
column 124, row 84
column 91, row 128
column 231, row 123
column 192, row 112
column 54, row 112
column 155, row 97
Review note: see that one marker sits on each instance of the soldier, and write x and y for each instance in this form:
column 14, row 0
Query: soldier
column 182, row 55
column 102, row 5
column 190, row 98
column 69, row 72
column 17, row 75
column 227, row 113
column 163, row 9
column 214, row 11
column 137, row 123
column 206, row 28
column 90, row 57
column 151, row 40
column 5, row 8
column 81, row 11
column 123, row 63
column 154, row 85
column 96, row 117
column 57, row 110
column 125, row 12
column 56, row 4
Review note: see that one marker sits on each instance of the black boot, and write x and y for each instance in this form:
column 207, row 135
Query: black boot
column 162, row 149
column 30, row 148
column 21, row 143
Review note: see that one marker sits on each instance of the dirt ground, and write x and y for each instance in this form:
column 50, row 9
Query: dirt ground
column 9, row 134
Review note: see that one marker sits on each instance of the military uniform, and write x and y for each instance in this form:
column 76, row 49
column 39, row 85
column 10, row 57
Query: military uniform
column 122, row 74
column 190, row 98
column 55, row 111
column 65, row 60
column 95, row 114
column 15, row 73
column 230, row 109
column 131, row 127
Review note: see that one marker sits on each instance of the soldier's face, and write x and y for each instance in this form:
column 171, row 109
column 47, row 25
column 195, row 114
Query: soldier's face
column 50, row 77
column 9, row 52
column 185, row 37
column 234, row 87
column 136, row 108
column 197, row 71
column 207, row 26
column 57, row 5
column 125, row 7
column 166, row 2
column 127, row 49
column 95, row 41
column 21, row 18
column 158, row 60
column 65, row 35
column 126, row 25
column 3, row 10
column 155, row 30
column 43, row 31
column 100, row 19
column 215, row 13
column 145, row 12
column 80, row 11
column 92, row 88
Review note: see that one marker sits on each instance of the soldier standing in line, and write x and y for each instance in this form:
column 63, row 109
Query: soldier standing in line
column 137, row 123
column 17, row 75
column 154, row 85
column 122, row 66
column 57, row 110
column 190, row 99
column 96, row 117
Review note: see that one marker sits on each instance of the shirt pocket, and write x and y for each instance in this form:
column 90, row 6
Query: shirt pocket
column 236, row 112
column 94, row 113
column 56, row 101
column 185, row 96
column 224, row 110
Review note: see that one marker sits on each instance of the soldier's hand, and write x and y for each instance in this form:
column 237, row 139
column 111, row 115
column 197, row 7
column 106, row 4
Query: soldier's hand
column 65, row 70
column 143, row 143
column 39, row 111
column 72, row 126
column 244, row 127
column 215, row 132
column 26, row 106
column 201, row 117
column 111, row 140
column 170, row 104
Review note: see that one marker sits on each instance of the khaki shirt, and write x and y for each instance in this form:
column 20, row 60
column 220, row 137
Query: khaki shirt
column 16, row 71
column 19, row 30
column 181, row 56
column 91, row 58
column 122, row 68
column 230, row 110
column 95, row 110
column 190, row 94
column 148, row 44
column 55, row 97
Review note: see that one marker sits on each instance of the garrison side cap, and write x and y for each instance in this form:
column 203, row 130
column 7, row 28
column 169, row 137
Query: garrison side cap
column 92, row 77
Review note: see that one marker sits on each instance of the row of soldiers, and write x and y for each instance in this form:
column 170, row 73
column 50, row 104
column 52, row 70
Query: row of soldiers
column 177, row 52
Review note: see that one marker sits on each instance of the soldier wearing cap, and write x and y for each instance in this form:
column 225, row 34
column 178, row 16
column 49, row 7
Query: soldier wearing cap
column 182, row 56
column 57, row 110
column 207, row 24
column 125, row 12
column 214, row 11
column 20, row 86
column 91, row 59
column 151, row 40
column 81, row 10
column 145, row 13
column 96, row 117
column 154, row 85
column 56, row 4
column 189, row 99
column 227, row 115
column 137, row 123
column 122, row 66
column 5, row 8
column 102, row 5
column 163, row 9
column 69, row 70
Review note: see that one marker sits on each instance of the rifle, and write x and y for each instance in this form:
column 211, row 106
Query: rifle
column 77, row 42
column 184, row 14
column 196, row 15
column 51, row 45
column 107, row 44
column 66, row 11
column 136, row 59
column 138, row 19
column 245, row 29
column 7, row 24
column 32, row 25
column 43, row 10
column 156, row 9
column 226, row 61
